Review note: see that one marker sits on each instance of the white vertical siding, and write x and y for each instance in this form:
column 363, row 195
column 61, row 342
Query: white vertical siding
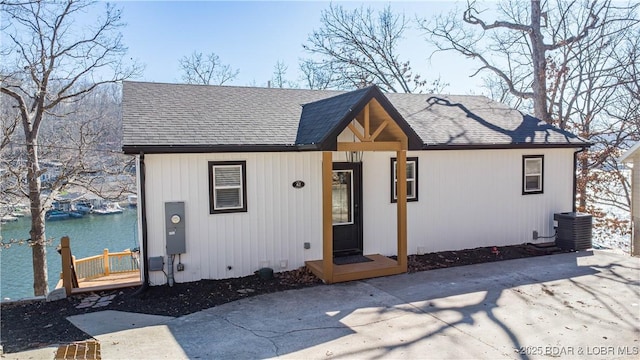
column 278, row 221
column 467, row 199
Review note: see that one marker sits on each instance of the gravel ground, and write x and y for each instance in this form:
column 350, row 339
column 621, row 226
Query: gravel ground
column 33, row 324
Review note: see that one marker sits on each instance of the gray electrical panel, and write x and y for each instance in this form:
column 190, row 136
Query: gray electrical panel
column 156, row 263
column 174, row 220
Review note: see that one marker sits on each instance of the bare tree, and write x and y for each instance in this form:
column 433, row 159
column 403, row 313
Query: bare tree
column 279, row 78
column 575, row 64
column 199, row 68
column 317, row 75
column 279, row 73
column 605, row 106
column 79, row 151
column 52, row 63
column 10, row 122
column 359, row 48
column 514, row 49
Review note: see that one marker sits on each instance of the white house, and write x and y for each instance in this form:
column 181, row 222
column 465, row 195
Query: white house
column 234, row 179
column 51, row 171
column 632, row 158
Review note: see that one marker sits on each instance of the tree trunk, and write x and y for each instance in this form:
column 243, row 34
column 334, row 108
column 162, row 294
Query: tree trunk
column 37, row 232
column 538, row 51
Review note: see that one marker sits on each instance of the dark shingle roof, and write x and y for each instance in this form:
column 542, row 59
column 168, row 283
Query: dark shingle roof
column 322, row 121
column 475, row 120
column 180, row 114
column 321, row 117
column 223, row 118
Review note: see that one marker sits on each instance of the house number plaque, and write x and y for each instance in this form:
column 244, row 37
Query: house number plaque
column 298, row 184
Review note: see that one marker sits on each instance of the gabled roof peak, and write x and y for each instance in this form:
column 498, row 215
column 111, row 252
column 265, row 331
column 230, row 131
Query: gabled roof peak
column 321, row 121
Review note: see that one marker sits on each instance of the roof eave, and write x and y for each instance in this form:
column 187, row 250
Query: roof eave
column 502, row 146
column 236, row 148
column 628, row 155
column 225, row 148
column 308, row 147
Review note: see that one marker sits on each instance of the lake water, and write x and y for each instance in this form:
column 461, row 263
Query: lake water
column 89, row 236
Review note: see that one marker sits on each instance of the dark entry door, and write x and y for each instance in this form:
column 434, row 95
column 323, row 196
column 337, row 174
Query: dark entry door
column 346, row 208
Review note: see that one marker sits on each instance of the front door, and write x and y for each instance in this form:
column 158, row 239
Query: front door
column 346, row 208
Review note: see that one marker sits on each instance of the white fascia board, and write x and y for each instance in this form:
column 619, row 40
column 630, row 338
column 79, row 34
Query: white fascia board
column 628, row 155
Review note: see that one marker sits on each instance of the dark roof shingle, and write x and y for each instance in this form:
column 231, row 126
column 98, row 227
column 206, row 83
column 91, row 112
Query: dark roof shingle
column 321, row 117
column 180, row 115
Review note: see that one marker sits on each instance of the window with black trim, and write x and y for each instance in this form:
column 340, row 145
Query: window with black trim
column 412, row 179
column 532, row 174
column 227, row 187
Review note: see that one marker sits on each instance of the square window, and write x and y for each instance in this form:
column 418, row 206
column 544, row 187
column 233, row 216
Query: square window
column 532, row 174
column 412, row 179
column 227, row 186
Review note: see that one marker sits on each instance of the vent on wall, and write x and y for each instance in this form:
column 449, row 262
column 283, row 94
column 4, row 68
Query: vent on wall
column 574, row 230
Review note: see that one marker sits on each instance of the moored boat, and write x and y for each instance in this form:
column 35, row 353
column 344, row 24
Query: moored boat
column 75, row 214
column 62, row 215
column 83, row 207
column 132, row 200
column 108, row 209
column 8, row 218
column 56, row 215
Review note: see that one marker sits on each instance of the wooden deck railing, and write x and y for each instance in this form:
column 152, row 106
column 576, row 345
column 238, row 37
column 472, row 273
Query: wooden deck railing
column 108, row 263
column 94, row 266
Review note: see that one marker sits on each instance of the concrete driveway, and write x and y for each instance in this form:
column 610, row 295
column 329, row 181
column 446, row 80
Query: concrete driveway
column 576, row 305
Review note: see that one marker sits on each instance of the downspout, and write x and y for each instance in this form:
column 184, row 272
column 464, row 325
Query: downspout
column 143, row 212
column 575, row 178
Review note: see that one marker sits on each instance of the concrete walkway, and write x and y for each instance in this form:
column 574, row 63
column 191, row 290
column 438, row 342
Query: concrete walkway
column 577, row 305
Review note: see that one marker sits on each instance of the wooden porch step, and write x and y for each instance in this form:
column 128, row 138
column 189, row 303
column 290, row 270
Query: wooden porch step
column 380, row 266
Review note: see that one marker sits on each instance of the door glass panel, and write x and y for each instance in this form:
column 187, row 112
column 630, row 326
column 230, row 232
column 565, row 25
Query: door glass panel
column 342, row 197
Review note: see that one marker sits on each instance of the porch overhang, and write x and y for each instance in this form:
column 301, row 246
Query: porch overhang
column 322, row 121
column 372, row 125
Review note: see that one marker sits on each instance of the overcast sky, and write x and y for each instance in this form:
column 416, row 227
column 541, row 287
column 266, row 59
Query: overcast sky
column 253, row 36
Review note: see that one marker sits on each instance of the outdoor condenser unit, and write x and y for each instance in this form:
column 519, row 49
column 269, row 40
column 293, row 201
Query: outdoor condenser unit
column 574, row 230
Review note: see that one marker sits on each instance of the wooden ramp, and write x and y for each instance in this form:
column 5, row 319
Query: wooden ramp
column 380, row 266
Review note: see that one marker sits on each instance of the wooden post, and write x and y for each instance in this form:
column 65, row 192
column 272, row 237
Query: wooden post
column 67, row 266
column 401, row 175
column 105, row 261
column 327, row 218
